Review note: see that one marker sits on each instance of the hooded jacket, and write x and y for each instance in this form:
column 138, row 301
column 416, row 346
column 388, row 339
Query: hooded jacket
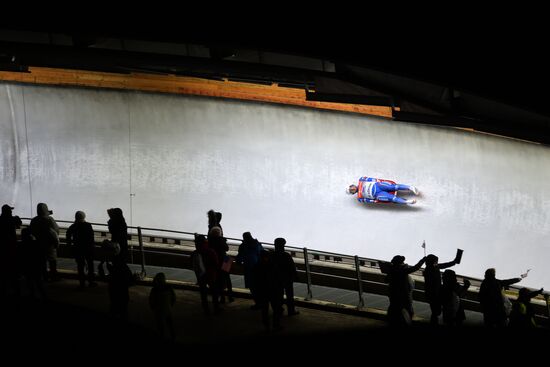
column 44, row 227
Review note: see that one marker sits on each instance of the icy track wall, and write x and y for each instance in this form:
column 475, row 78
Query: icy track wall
column 277, row 171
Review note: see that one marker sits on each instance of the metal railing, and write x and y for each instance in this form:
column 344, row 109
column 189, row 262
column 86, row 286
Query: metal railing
column 323, row 268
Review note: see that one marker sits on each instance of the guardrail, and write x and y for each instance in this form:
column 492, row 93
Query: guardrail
column 352, row 273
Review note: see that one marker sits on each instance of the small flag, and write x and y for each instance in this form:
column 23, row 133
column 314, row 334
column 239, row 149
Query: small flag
column 424, row 244
column 524, row 275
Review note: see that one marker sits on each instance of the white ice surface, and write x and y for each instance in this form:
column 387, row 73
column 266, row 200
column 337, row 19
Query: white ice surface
column 277, row 171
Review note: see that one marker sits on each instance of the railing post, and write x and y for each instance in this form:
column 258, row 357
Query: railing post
column 359, row 283
column 308, row 276
column 140, row 239
column 131, row 253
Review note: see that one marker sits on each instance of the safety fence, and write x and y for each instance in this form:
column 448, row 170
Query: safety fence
column 172, row 249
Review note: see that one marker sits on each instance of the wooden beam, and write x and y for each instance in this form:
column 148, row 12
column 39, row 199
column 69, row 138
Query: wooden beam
column 186, row 85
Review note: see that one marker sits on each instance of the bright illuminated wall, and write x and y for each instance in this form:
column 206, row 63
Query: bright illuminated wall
column 277, row 171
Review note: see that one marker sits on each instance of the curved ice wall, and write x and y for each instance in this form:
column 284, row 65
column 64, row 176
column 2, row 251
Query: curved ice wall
column 277, row 171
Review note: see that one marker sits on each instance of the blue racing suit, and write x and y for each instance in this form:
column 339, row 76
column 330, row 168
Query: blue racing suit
column 374, row 190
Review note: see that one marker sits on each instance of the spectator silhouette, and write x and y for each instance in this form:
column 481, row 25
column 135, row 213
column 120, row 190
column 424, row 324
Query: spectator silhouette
column 107, row 253
column 268, row 289
column 401, row 285
column 46, row 231
column 248, row 256
column 432, row 285
column 286, row 271
column 161, row 299
column 451, row 292
column 218, row 243
column 491, row 297
column 118, row 230
column 81, row 234
column 33, row 261
column 214, row 219
column 9, row 272
column 205, row 265
column 523, row 315
column 119, row 280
